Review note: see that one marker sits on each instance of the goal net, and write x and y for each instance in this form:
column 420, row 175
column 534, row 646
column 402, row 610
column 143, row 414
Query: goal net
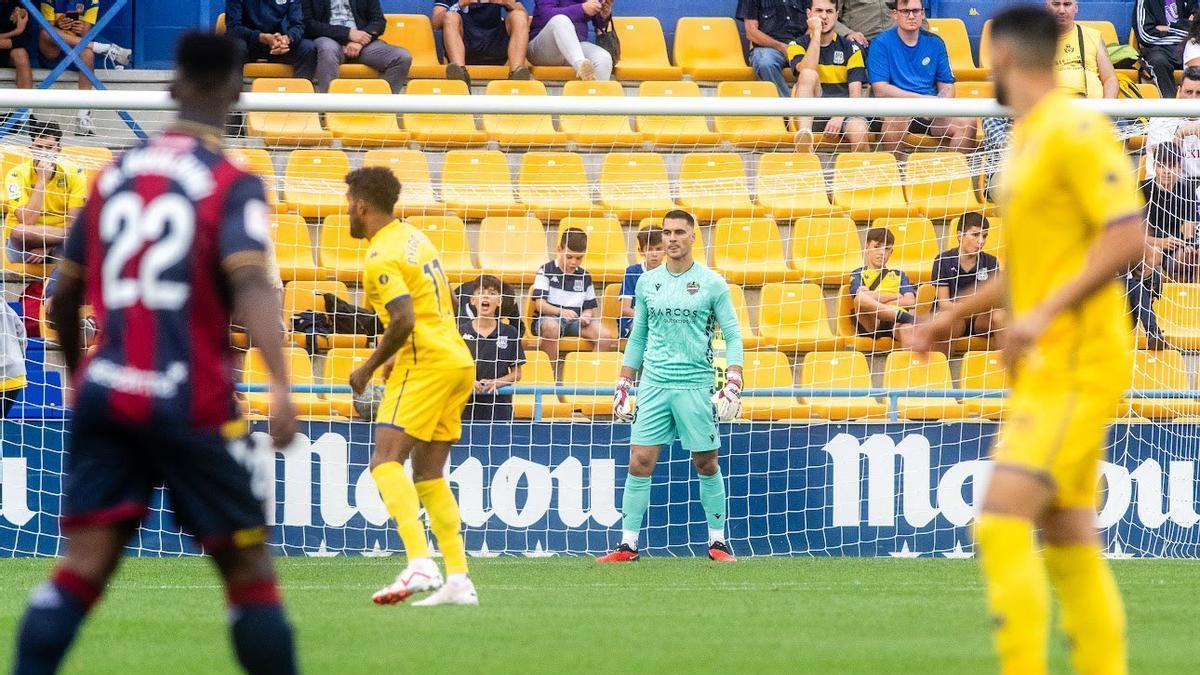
column 848, row 444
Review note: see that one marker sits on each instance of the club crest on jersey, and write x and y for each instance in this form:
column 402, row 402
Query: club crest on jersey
column 579, row 285
column 693, row 288
column 383, row 278
column 981, row 275
column 839, row 58
column 502, row 342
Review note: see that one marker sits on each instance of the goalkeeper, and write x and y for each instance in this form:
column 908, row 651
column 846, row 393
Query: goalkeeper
column 678, row 305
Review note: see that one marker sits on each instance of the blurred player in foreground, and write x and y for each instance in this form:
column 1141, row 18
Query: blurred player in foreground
column 1074, row 222
column 173, row 237
column 430, row 376
column 677, row 307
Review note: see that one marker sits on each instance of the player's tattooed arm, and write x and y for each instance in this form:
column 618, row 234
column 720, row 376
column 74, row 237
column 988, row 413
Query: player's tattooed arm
column 401, row 320
column 64, row 311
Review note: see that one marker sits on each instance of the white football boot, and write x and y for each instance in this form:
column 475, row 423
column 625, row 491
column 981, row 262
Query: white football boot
column 457, row 591
column 421, row 575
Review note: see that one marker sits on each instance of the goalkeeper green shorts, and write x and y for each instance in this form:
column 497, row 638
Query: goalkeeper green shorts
column 662, row 415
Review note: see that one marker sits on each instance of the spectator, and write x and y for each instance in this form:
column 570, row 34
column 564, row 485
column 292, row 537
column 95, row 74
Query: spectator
column 1191, row 48
column 1171, row 215
column 862, row 20
column 510, row 313
column 957, row 271
column 1082, row 64
column 835, row 70
column 565, row 299
column 348, row 31
column 770, row 26
column 1162, row 28
column 558, row 36
column 497, row 351
column 1184, row 130
column 476, row 32
column 272, row 30
column 650, row 246
column 908, row 62
column 12, row 358
column 883, row 298
column 72, row 19
column 45, row 195
column 14, row 42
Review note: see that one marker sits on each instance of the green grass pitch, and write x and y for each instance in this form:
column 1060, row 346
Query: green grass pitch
column 556, row 615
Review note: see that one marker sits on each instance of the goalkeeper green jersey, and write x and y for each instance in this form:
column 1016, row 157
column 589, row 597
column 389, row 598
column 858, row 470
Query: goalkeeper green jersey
column 673, row 324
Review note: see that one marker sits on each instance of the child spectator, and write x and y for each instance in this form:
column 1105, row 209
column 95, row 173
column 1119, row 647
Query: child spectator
column 957, row 271
column 510, row 313
column 650, row 247
column 1171, row 215
column 565, row 299
column 883, row 298
column 12, row 358
column 497, row 351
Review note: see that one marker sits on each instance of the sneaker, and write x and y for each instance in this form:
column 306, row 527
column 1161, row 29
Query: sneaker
column 421, row 575
column 458, row 591
column 520, row 73
column 457, row 72
column 119, row 55
column 719, row 551
column 624, row 553
column 84, row 126
column 803, row 141
column 586, row 70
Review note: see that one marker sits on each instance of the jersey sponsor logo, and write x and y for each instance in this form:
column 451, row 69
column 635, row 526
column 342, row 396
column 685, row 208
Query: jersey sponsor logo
column 14, row 190
column 674, row 312
column 137, row 382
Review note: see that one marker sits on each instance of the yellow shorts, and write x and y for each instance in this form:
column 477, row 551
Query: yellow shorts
column 426, row 403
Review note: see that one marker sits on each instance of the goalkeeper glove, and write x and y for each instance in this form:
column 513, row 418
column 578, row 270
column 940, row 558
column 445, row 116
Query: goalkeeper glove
column 622, row 406
column 728, row 401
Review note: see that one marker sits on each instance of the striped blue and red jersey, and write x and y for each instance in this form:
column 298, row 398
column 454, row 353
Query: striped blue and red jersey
column 163, row 227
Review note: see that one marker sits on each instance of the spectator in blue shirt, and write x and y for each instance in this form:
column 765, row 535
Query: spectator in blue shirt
column 272, row 30
column 651, row 248
column 483, row 33
column 908, row 62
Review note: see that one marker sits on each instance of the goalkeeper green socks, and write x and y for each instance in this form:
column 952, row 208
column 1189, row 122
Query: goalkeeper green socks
column 634, row 501
column 712, row 498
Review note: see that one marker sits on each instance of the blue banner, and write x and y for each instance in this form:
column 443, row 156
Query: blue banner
column 540, row 488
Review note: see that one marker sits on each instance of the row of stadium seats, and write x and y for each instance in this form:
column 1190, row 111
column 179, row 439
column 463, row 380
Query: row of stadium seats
column 1161, row 370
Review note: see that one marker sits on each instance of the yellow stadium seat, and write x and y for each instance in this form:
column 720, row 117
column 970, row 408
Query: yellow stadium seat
column 954, row 33
column 520, row 130
column 926, row 298
column 674, row 130
column 314, row 182
column 826, row 250
column 1108, row 32
column 294, row 250
column 699, row 250
column 847, row 330
column 416, row 186
column 89, row 158
column 916, row 246
column 537, row 371
column 254, row 371
column 751, row 131
column 938, row 185
column 343, row 255
column 994, row 243
column 449, row 237
column 634, row 185
column 288, row 129
column 442, row 129
column 908, row 370
column 554, row 185
column 983, row 89
column 713, row 185
column 512, row 248
column 792, row 317
column 750, row 338
column 257, row 68
column 305, row 296
column 868, row 186
column 591, row 369
column 610, row 308
column 533, row 343
column 339, row 363
column 414, row 32
column 792, row 185
column 710, row 48
column 839, row 370
column 769, row 370
column 607, row 256
column 597, row 130
column 1159, row 371
column 477, row 183
column 364, row 129
column 643, row 50
column 984, row 370
column 750, row 251
column 258, row 162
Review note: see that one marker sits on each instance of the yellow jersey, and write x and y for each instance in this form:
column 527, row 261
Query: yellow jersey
column 66, row 190
column 402, row 261
column 1077, row 72
column 1066, row 179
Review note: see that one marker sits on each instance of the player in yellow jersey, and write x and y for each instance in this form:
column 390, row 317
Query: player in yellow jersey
column 1074, row 221
column 430, row 375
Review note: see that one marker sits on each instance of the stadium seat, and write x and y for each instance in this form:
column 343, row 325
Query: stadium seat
column 257, row 68
column 414, row 32
column 826, row 250
column 710, row 48
column 749, row 251
column 520, row 130
column 512, row 248
column 89, row 158
column 10, row 157
column 839, row 370
column 1162, row 370
column 258, row 162
column 533, row 343
column 364, row 129
column 554, row 185
column 449, row 237
column 1108, row 32
column 908, row 370
column 308, row 296
column 610, row 307
column 984, row 370
column 607, row 255
column 699, row 249
column 938, row 185
column 954, row 33
column 792, row 185
column 983, row 89
column 339, row 363
column 994, row 243
column 537, row 371
column 847, row 331
column 634, row 185
column 769, row 370
column 591, row 369
column 597, row 130
column 313, row 182
column 442, row 129
column 1178, row 311
column 254, row 371
column 344, row 256
column 477, row 183
column 737, row 296
column 916, row 246
column 792, row 317
column 643, row 50
column 294, row 249
column 759, row 132
column 713, row 185
column 868, row 186
column 674, row 130
column 282, row 128
column 416, row 186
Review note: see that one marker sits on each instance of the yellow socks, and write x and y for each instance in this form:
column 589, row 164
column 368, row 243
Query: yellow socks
column 1092, row 613
column 1018, row 596
column 400, row 496
column 445, row 522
